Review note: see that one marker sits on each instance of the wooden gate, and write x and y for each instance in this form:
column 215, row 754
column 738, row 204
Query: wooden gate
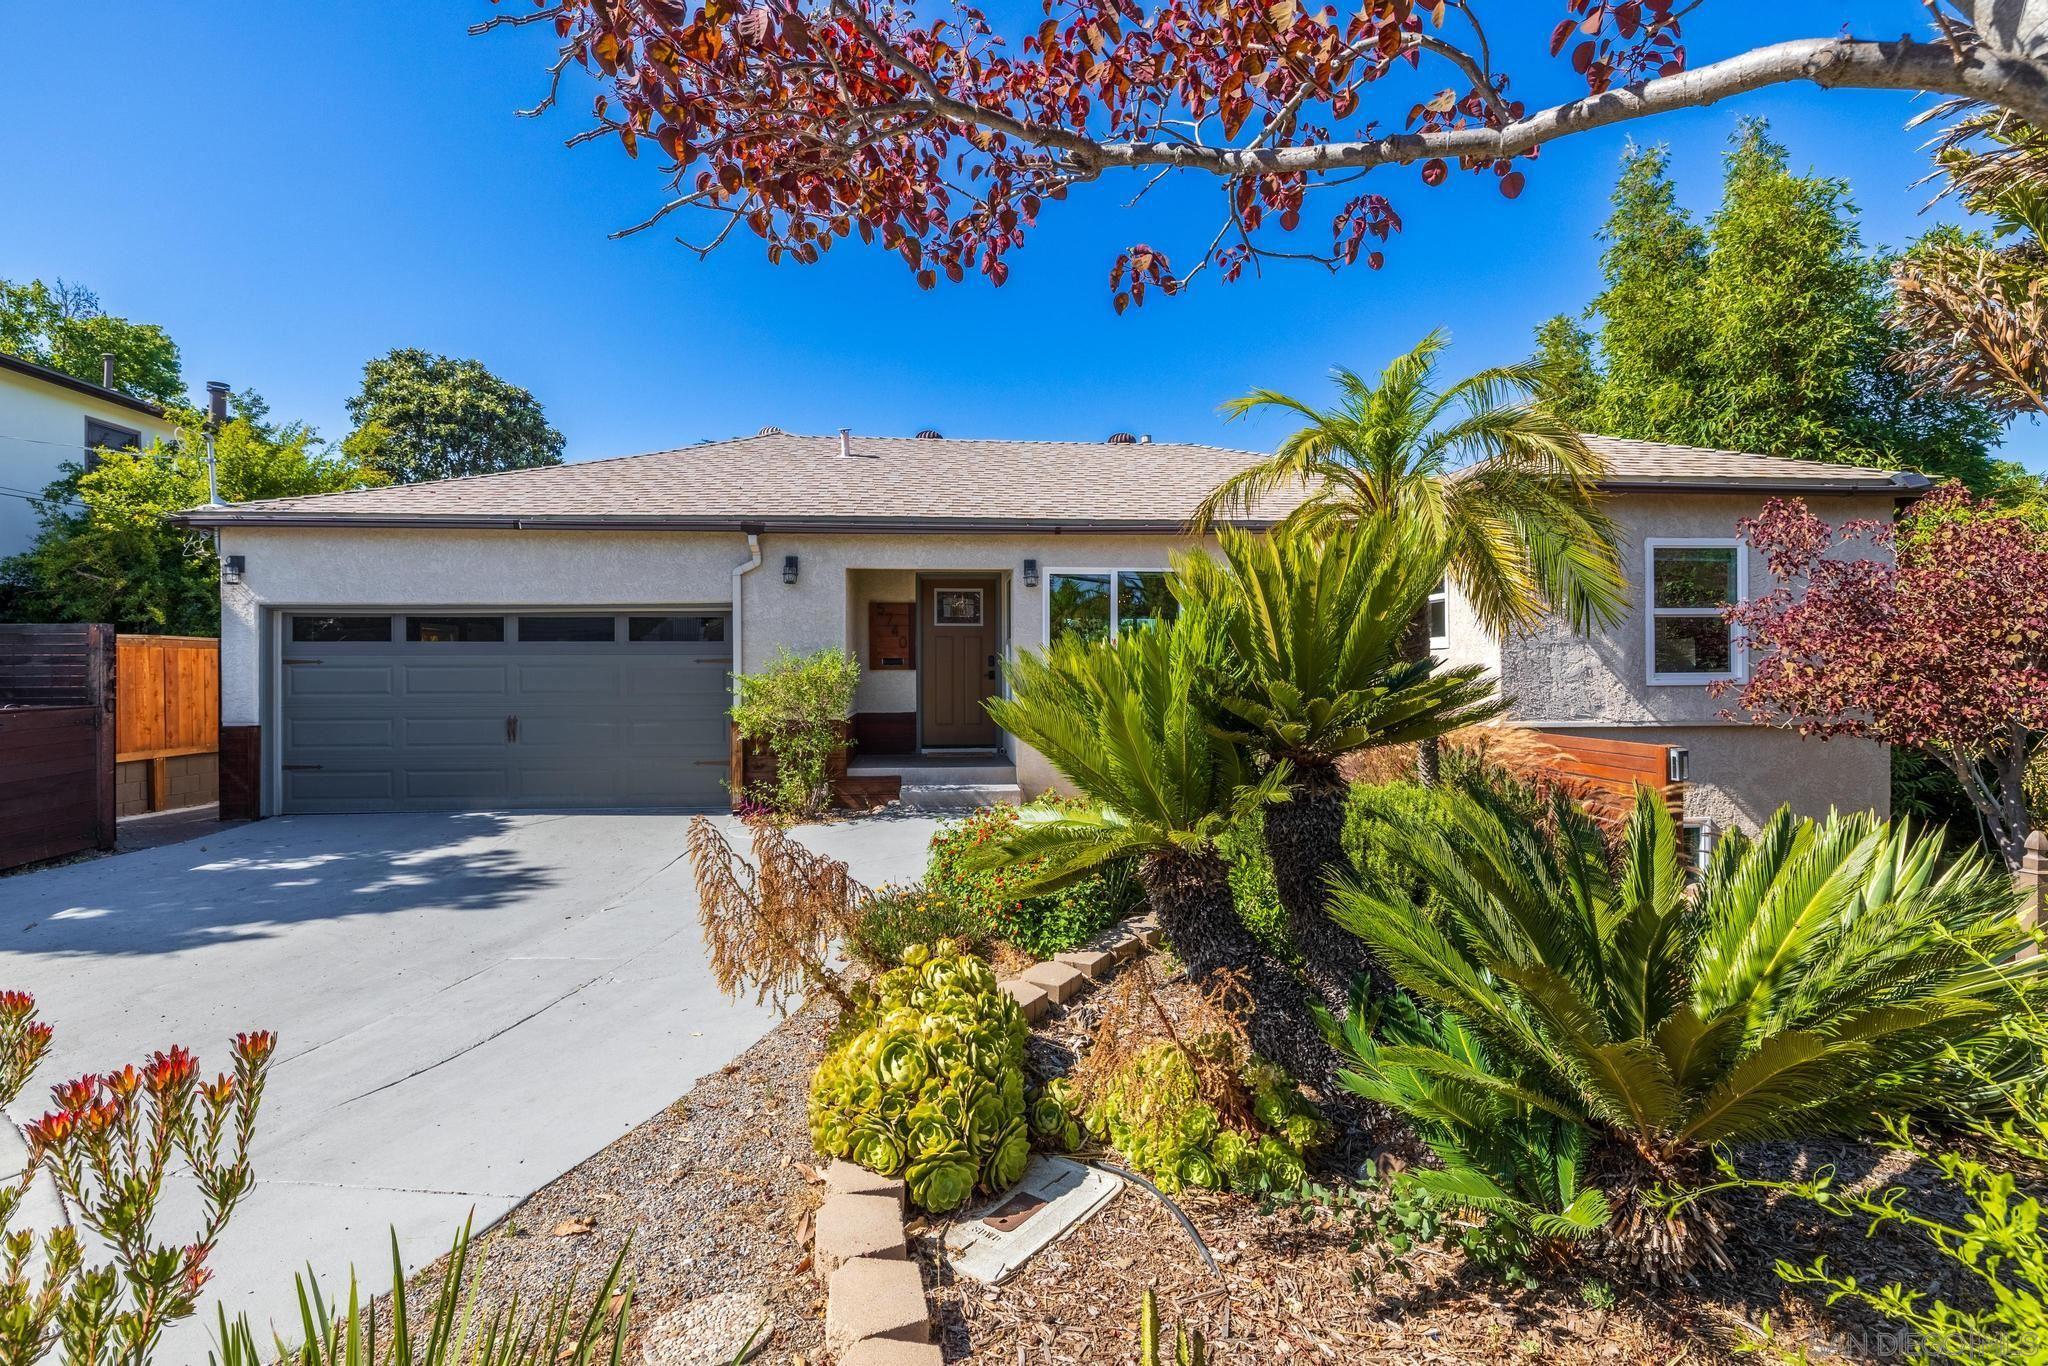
column 56, row 741
column 169, row 722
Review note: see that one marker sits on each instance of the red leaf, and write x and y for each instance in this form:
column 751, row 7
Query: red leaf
column 1511, row 184
column 1434, row 170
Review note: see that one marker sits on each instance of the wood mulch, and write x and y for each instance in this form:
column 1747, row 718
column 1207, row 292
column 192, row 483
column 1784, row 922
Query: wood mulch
column 717, row 1195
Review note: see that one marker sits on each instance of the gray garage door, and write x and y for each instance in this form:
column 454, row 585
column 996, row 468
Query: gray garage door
column 457, row 710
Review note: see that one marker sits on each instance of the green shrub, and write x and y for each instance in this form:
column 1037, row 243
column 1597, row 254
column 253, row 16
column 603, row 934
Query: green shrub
column 1253, row 889
column 1041, row 925
column 1374, row 816
column 1818, row 977
column 1153, row 1113
column 895, row 919
column 798, row 707
column 926, row 1080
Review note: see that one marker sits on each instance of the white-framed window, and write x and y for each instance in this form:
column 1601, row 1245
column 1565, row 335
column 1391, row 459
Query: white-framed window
column 1439, row 615
column 1687, row 583
column 1097, row 604
column 1696, row 843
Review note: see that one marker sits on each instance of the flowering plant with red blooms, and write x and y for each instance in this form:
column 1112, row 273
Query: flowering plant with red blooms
column 920, row 127
column 1936, row 639
column 107, row 1145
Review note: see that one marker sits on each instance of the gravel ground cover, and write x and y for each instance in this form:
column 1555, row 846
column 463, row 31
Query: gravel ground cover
column 717, row 1192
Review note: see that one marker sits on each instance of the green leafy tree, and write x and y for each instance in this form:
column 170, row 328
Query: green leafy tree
column 106, row 552
column 1762, row 329
column 1819, row 977
column 63, row 327
column 422, row 416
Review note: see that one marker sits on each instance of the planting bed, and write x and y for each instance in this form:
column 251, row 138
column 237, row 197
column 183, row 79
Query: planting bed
column 717, row 1196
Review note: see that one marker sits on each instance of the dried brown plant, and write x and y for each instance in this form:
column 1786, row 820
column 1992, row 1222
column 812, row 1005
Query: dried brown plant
column 773, row 925
column 1207, row 1026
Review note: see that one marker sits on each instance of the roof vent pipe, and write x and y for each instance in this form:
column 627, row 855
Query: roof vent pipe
column 106, row 369
column 845, row 442
column 1145, row 440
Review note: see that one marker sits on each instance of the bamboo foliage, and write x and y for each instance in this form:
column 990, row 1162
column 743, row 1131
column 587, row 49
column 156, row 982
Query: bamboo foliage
column 773, row 925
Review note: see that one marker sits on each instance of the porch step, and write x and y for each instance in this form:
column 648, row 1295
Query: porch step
column 954, row 796
column 916, row 771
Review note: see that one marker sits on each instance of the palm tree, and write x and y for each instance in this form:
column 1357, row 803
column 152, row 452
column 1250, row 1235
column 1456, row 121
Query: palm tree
column 1315, row 617
column 1503, row 487
column 1129, row 723
column 1815, row 980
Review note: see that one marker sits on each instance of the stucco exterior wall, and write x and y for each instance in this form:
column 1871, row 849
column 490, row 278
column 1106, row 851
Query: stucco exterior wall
column 41, row 427
column 1599, row 684
column 337, row 568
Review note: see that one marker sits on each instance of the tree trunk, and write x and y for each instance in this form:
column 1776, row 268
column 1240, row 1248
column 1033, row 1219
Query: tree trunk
column 2001, row 801
column 1191, row 895
column 1305, row 839
column 1429, row 762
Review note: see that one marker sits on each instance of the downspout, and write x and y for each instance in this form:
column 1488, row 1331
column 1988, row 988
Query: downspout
column 739, row 572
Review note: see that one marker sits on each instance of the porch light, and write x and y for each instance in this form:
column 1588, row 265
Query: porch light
column 1031, row 573
column 231, row 569
column 789, row 569
column 1677, row 764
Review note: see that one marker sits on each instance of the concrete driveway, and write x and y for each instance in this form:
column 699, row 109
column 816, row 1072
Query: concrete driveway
column 468, row 1006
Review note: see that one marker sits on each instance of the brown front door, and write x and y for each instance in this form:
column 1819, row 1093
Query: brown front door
column 960, row 620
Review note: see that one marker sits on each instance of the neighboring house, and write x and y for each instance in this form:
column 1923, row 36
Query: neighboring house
column 564, row 637
column 46, row 418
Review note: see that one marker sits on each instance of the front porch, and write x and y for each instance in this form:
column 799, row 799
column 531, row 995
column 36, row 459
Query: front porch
column 929, row 782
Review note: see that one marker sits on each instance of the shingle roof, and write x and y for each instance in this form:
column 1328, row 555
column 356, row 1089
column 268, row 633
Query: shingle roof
column 797, row 482
column 790, row 482
column 1656, row 464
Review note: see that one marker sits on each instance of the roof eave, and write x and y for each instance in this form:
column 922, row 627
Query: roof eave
column 60, row 380
column 230, row 517
column 1905, row 485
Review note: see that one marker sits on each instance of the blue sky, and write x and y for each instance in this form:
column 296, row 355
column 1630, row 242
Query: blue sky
column 292, row 189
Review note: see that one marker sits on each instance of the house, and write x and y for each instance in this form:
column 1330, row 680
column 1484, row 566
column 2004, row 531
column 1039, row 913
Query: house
column 46, row 418
column 564, row 636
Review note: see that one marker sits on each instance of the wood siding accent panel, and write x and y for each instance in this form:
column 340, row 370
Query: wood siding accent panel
column 1617, row 767
column 241, row 773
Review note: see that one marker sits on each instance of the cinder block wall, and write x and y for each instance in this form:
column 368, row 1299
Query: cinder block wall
column 189, row 780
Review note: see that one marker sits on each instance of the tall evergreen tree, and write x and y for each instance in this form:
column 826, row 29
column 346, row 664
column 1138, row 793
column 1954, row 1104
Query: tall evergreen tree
column 1761, row 329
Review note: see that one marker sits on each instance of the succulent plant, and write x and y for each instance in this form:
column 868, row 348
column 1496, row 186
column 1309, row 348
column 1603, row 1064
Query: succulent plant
column 925, row 1080
column 1153, row 1113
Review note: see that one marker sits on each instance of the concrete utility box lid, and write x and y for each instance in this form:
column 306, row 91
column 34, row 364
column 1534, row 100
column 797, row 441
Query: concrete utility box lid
column 995, row 1240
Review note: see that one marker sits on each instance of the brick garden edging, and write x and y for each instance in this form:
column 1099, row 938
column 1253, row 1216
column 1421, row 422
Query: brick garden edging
column 875, row 1309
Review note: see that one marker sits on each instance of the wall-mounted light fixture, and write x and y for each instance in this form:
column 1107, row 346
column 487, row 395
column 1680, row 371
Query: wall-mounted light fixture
column 1677, row 764
column 1031, row 573
column 789, row 569
column 231, row 569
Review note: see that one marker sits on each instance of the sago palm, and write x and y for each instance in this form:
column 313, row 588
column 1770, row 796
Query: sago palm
column 1812, row 981
column 1503, row 488
column 1315, row 618
column 1129, row 723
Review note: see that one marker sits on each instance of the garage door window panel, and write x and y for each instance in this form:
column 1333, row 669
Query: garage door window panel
column 455, row 630
column 685, row 629
column 340, row 630
column 568, row 630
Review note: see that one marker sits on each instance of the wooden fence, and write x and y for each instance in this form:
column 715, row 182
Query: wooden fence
column 56, row 741
column 169, row 721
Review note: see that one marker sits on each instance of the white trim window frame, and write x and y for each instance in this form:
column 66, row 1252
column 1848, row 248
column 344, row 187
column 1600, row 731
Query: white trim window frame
column 1115, row 596
column 1738, row 654
column 1438, row 606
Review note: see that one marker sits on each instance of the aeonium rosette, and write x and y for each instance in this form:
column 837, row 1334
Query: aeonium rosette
column 926, row 1080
